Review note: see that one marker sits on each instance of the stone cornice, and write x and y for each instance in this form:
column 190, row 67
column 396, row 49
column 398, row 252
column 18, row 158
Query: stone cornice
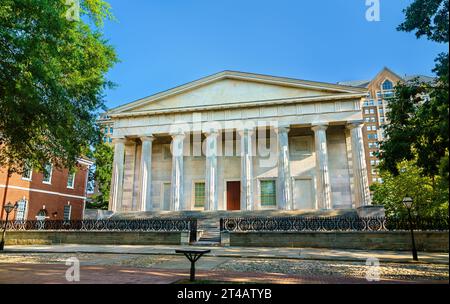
column 249, row 104
column 267, row 79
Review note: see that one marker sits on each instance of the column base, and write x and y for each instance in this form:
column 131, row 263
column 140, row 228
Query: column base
column 371, row 211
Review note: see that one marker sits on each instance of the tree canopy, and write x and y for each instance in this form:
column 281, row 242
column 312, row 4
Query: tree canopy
column 418, row 113
column 103, row 155
column 52, row 79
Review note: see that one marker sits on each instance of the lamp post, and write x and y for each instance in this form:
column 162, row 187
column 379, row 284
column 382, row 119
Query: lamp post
column 8, row 207
column 408, row 202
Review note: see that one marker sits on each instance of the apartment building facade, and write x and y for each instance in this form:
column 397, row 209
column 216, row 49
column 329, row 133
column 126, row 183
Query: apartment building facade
column 375, row 108
column 55, row 194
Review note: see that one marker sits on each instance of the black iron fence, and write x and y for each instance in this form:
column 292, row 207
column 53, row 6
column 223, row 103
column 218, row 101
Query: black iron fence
column 330, row 224
column 177, row 225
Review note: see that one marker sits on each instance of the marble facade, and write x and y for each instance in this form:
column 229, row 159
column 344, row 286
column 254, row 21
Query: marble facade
column 239, row 127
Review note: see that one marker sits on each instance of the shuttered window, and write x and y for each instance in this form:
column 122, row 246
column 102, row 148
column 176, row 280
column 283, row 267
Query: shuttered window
column 67, row 212
column 268, row 193
column 199, row 192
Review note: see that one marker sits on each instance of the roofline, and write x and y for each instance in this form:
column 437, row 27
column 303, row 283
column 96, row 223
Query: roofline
column 248, row 104
column 237, row 75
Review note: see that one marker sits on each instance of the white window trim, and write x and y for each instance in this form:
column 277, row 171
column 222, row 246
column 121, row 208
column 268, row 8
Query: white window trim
column 49, row 182
column 73, row 181
column 70, row 213
column 28, row 178
column 261, row 179
column 193, row 194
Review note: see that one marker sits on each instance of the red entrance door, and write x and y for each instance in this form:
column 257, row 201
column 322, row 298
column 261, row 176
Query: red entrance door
column 234, row 195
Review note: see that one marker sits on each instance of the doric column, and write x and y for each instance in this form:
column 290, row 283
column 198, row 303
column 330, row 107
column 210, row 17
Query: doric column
column 323, row 175
column 117, row 175
column 177, row 184
column 284, row 172
column 246, row 170
column 146, row 174
column 211, row 183
column 360, row 179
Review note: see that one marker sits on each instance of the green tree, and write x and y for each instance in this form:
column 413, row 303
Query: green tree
column 103, row 156
column 419, row 112
column 52, row 79
column 410, row 181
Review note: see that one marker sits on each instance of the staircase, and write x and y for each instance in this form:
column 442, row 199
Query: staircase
column 210, row 227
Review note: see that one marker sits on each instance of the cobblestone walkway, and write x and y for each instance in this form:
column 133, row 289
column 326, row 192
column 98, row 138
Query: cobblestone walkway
column 158, row 269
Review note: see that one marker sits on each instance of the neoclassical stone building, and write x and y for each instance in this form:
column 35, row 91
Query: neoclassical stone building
column 241, row 141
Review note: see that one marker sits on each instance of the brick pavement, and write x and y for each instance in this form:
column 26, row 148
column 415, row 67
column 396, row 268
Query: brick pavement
column 105, row 274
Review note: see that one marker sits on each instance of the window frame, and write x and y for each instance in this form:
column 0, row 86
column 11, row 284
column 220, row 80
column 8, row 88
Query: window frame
column 70, row 212
column 274, row 195
column 194, row 194
column 49, row 182
column 73, row 180
column 31, row 174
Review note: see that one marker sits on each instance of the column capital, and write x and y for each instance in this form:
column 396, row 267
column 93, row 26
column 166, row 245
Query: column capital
column 178, row 135
column 149, row 137
column 242, row 131
column 319, row 126
column 119, row 140
column 282, row 129
column 355, row 124
column 211, row 132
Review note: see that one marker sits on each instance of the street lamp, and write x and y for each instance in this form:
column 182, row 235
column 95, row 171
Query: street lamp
column 408, row 202
column 8, row 207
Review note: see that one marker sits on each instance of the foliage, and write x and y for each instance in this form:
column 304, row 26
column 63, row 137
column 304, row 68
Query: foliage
column 52, row 78
column 103, row 155
column 428, row 18
column 418, row 127
column 429, row 200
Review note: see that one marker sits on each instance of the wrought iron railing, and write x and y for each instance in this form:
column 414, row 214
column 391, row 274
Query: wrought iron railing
column 181, row 225
column 329, row 224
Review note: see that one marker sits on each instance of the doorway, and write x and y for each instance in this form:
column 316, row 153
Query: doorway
column 234, row 195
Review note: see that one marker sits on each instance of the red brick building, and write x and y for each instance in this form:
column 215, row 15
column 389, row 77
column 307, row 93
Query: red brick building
column 57, row 194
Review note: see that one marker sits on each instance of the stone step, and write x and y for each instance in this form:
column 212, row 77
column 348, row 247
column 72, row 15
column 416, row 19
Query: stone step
column 207, row 244
column 216, row 215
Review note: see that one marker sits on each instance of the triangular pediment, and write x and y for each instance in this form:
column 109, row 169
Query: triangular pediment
column 232, row 88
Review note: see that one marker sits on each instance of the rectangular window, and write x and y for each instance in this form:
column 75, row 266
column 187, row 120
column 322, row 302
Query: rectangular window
column 67, row 212
column 366, row 111
column 47, row 174
column 106, row 130
column 268, row 193
column 71, row 180
column 21, row 208
column 27, row 172
column 111, row 130
column 199, row 192
column 372, row 111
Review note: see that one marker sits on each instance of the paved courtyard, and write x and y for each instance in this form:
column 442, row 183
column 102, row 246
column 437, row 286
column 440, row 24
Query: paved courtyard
column 45, row 267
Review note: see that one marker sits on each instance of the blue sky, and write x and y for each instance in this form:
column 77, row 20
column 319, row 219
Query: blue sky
column 165, row 43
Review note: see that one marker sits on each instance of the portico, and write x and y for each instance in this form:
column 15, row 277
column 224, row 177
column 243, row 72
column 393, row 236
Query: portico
column 240, row 141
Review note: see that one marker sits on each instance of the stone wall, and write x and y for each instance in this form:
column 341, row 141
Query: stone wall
column 94, row 237
column 381, row 240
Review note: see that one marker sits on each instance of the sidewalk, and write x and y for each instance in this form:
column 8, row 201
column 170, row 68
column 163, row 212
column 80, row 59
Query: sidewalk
column 242, row 252
column 55, row 274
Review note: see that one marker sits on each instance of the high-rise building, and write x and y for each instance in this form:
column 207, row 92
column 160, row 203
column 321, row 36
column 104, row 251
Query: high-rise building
column 375, row 108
